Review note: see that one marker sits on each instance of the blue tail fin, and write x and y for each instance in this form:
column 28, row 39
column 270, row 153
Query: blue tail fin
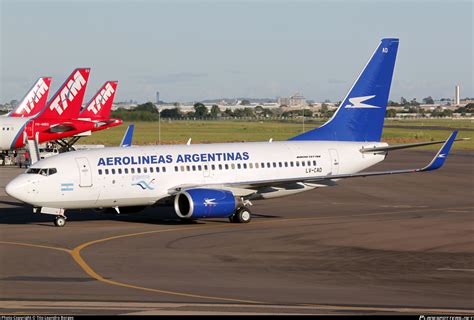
column 361, row 114
column 127, row 137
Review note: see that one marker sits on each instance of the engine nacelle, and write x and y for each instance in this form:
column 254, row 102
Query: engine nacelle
column 204, row 203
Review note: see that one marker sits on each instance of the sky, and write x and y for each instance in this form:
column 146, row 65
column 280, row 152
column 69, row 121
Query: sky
column 195, row 50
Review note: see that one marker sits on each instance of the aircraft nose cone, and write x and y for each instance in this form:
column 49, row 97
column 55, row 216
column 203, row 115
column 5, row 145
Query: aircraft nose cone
column 15, row 189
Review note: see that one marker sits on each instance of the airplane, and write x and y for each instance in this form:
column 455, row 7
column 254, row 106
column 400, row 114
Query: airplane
column 34, row 101
column 220, row 180
column 97, row 111
column 99, row 107
column 57, row 119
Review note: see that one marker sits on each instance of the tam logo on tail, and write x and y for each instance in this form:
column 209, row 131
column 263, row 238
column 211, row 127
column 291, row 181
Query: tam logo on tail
column 69, row 91
column 33, row 97
column 357, row 103
column 101, row 99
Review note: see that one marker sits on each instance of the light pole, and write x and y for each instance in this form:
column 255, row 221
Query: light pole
column 303, row 118
column 159, row 126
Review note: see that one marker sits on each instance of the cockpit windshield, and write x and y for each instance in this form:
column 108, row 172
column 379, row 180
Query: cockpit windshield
column 42, row 171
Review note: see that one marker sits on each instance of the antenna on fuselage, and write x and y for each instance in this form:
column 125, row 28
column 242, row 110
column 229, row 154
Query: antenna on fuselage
column 189, row 141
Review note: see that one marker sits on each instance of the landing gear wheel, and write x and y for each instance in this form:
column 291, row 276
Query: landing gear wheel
column 242, row 215
column 60, row 221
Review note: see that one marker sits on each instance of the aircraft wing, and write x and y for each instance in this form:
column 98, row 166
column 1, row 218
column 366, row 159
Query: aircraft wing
column 436, row 163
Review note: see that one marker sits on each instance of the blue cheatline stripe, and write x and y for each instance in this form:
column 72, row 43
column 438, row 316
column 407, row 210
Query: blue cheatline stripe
column 12, row 146
column 67, row 189
column 67, row 184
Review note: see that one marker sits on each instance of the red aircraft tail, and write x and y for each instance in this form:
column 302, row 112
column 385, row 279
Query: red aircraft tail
column 67, row 101
column 100, row 105
column 35, row 100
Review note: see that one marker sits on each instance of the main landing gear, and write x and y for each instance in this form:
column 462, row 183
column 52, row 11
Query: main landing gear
column 60, row 221
column 242, row 215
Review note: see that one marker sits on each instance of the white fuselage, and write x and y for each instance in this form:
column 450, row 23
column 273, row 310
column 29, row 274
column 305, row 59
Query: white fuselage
column 10, row 129
column 118, row 177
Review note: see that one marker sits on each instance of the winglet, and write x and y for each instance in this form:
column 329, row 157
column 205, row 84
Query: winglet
column 127, row 137
column 442, row 154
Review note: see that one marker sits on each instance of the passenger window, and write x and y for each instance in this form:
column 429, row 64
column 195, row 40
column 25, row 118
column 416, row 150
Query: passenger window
column 106, row 171
column 199, row 167
column 132, row 170
column 213, row 167
column 245, row 166
column 256, row 165
column 139, row 170
column 144, row 170
column 286, row 164
column 205, row 167
column 220, row 166
column 232, row 166
column 113, row 171
column 163, row 169
column 188, row 168
column 291, row 163
column 182, row 168
column 314, row 162
column 302, row 163
column 250, row 165
column 263, row 164
column 100, row 171
column 238, row 165
column 126, row 170
column 175, row 168
column 119, row 170
column 309, row 163
column 151, row 169
column 269, row 164
column 226, row 166
column 194, row 168
column 280, row 164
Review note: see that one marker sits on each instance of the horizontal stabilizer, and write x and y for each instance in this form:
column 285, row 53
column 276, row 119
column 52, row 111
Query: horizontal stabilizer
column 405, row 146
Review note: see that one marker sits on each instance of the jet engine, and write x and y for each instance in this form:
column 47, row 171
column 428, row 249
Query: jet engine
column 204, row 203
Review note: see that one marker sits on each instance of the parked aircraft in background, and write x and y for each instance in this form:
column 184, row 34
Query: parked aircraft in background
column 99, row 107
column 35, row 100
column 57, row 120
column 219, row 180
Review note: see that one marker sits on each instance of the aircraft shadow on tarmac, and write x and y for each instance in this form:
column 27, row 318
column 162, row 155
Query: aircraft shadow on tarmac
column 162, row 215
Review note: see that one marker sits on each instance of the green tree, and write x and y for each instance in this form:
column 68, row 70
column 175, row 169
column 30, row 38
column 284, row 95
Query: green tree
column 428, row 100
column 148, row 107
column 403, row 101
column 390, row 113
column 200, row 110
column 174, row 113
column 245, row 102
column 215, row 111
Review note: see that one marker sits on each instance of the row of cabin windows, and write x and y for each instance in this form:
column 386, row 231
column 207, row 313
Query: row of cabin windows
column 226, row 166
column 132, row 170
column 7, row 128
column 255, row 165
